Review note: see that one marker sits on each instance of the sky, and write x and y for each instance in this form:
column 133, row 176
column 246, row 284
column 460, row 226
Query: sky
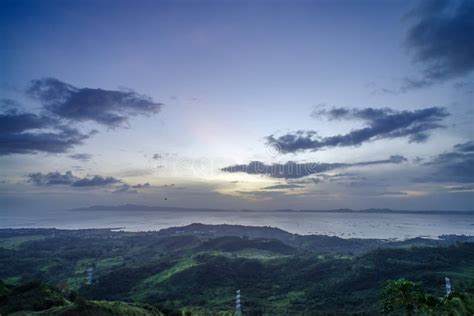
column 237, row 104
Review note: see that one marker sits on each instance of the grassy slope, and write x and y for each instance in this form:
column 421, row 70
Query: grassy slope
column 101, row 308
column 148, row 286
column 15, row 242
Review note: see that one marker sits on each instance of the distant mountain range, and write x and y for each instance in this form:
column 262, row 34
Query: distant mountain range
column 141, row 208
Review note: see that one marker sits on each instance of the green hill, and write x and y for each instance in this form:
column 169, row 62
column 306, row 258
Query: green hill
column 198, row 268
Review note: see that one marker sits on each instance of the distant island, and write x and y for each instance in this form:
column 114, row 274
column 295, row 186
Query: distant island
column 142, row 208
column 145, row 208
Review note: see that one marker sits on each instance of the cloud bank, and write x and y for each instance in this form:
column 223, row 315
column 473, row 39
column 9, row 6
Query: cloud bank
column 441, row 40
column 107, row 107
column 456, row 166
column 68, row 179
column 26, row 133
column 63, row 104
column 381, row 124
column 293, row 170
column 127, row 188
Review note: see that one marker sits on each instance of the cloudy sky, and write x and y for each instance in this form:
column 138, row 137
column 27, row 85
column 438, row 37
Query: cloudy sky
column 237, row 104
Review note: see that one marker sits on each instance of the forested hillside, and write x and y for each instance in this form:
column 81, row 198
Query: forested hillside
column 198, row 268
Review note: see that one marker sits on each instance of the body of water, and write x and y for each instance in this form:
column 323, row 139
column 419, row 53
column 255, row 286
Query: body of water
column 345, row 225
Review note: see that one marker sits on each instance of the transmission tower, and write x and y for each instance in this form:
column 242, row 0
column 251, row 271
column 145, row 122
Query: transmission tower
column 448, row 285
column 238, row 307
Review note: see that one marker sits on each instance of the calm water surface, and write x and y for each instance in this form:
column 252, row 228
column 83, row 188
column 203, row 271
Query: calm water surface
column 345, row 225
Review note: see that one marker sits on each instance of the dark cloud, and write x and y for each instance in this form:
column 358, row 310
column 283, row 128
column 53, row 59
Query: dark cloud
column 126, row 188
column 108, row 107
column 95, row 181
column 141, row 186
column 168, row 186
column 293, row 170
column 418, row 160
column 27, row 143
column 68, row 179
column 335, row 178
column 13, row 121
column 456, row 166
column 163, row 155
column 441, row 40
column 52, row 178
column 282, row 186
column 342, row 176
column 381, row 124
column 25, row 133
column 81, row 157
column 467, row 147
column 393, row 159
column 307, row 180
column 462, row 188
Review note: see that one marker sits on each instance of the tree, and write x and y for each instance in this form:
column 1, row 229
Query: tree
column 402, row 294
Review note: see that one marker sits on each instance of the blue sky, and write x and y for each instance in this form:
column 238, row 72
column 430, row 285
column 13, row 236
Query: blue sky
column 141, row 101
